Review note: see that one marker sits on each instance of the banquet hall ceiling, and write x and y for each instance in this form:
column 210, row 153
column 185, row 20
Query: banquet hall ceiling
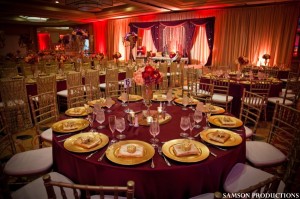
column 67, row 12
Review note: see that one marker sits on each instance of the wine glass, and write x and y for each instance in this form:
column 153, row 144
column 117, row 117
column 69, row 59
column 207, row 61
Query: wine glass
column 185, row 102
column 154, row 131
column 184, row 125
column 100, row 118
column 169, row 97
column 192, row 125
column 120, row 126
column 91, row 118
column 208, row 114
column 198, row 118
column 112, row 127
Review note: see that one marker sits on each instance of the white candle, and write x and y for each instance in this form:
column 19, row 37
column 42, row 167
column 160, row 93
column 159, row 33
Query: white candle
column 149, row 119
column 159, row 109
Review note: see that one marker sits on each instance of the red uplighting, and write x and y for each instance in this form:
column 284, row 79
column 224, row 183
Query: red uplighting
column 100, row 29
column 44, row 41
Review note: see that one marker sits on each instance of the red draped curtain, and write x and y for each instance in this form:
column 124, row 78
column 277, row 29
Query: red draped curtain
column 44, row 41
column 100, row 36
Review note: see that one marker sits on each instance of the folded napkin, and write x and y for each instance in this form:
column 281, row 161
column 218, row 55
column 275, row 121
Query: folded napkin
column 87, row 142
column 131, row 150
column 227, row 121
column 67, row 126
column 219, row 136
column 181, row 150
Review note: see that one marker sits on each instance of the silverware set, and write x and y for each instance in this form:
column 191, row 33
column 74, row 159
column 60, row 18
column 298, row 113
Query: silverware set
column 159, row 150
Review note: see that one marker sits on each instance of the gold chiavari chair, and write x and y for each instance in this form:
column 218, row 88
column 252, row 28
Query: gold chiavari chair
column 92, row 79
column 45, row 112
column 175, row 75
column 111, row 85
column 251, row 108
column 190, row 80
column 261, row 87
column 221, row 95
column 15, row 104
column 271, row 72
column 9, row 72
column 46, row 83
column 79, row 95
column 203, row 91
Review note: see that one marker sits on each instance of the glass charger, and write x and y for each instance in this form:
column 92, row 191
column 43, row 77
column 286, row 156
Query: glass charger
column 113, row 150
column 216, row 120
column 70, row 146
column 79, row 124
column 168, row 150
column 235, row 139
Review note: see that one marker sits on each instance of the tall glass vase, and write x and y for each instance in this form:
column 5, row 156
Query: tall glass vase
column 148, row 95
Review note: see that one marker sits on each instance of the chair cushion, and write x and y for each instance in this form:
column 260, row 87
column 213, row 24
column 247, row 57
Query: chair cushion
column 221, row 98
column 62, row 93
column 280, row 101
column 288, row 95
column 263, row 154
column 29, row 162
column 36, row 189
column 47, row 135
column 102, row 85
column 243, row 176
column 248, row 132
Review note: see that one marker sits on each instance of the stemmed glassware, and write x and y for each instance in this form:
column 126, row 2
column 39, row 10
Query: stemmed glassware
column 192, row 125
column 154, row 131
column 109, row 103
column 208, row 114
column 185, row 102
column 198, row 118
column 100, row 118
column 169, row 97
column 120, row 126
column 184, row 125
column 112, row 127
column 91, row 118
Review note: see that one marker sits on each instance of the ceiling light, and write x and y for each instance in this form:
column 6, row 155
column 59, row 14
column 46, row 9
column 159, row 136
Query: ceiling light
column 34, row 19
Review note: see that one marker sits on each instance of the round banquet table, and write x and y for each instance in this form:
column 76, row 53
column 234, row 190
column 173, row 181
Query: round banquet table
column 180, row 180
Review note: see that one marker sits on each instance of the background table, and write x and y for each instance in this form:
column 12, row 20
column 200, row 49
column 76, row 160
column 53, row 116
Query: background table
column 181, row 180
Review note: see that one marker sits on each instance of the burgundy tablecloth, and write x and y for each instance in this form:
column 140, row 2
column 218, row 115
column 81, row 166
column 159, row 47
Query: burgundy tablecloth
column 181, row 180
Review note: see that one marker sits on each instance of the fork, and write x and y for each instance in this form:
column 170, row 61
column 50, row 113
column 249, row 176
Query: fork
column 161, row 154
column 87, row 157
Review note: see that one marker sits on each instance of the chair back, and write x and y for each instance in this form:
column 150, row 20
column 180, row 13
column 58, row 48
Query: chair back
column 9, row 72
column 175, row 75
column 15, row 104
column 260, row 87
column 102, row 191
column 92, row 78
column 74, row 79
column 79, row 95
column 251, row 108
column 292, row 91
column 203, row 91
column 46, row 84
column 221, row 86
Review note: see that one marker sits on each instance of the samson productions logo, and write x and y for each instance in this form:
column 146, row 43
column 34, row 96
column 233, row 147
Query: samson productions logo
column 261, row 195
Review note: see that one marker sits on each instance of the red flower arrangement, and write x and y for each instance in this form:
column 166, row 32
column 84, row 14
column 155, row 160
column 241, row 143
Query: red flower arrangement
column 100, row 56
column 172, row 55
column 266, row 56
column 117, row 55
column 31, row 59
column 242, row 60
column 132, row 38
column 147, row 76
column 62, row 58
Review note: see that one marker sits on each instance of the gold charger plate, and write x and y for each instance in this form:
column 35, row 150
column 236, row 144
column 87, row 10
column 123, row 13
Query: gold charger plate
column 78, row 122
column 168, row 150
column 143, row 120
column 160, row 98
column 191, row 103
column 70, row 146
column 235, row 139
column 245, row 82
column 101, row 100
column 132, row 98
column 76, row 112
column 216, row 120
column 215, row 109
column 113, row 150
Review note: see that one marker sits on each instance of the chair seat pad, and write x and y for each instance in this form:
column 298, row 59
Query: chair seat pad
column 255, row 101
column 248, row 132
column 62, row 93
column 221, row 98
column 243, row 176
column 102, row 85
column 263, row 154
column 47, row 135
column 288, row 95
column 204, row 196
column 36, row 188
column 29, row 162
column 280, row 101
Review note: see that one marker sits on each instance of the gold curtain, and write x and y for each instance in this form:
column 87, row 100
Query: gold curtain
column 247, row 31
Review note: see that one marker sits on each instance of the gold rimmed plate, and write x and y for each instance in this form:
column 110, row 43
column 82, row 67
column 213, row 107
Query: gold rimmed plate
column 168, row 150
column 217, row 121
column 132, row 98
column 101, row 101
column 192, row 102
column 70, row 145
column 142, row 119
column 214, row 109
column 112, row 153
column 234, row 139
column 70, row 125
column 160, row 98
column 77, row 112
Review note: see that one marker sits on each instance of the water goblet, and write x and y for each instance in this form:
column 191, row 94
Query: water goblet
column 208, row 114
column 198, row 118
column 169, row 97
column 154, row 131
column 184, row 125
column 112, row 127
column 91, row 118
column 120, row 126
column 100, row 118
column 192, row 125
column 185, row 102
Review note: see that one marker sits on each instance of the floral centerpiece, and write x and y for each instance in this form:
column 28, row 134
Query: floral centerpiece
column 99, row 56
column 266, row 57
column 172, row 55
column 31, row 59
column 241, row 61
column 117, row 55
column 132, row 38
column 83, row 34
